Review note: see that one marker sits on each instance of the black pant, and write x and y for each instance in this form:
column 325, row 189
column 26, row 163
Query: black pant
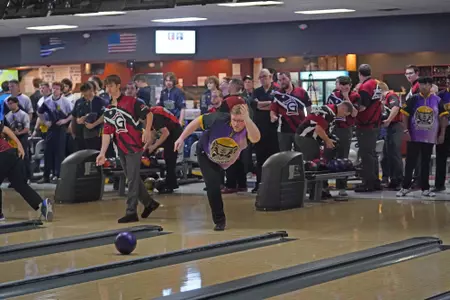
column 213, row 175
column 237, row 172
column 341, row 151
column 441, row 160
column 12, row 168
column 414, row 149
column 367, row 141
column 265, row 148
column 392, row 163
column 286, row 140
column 26, row 160
column 170, row 157
column 55, row 149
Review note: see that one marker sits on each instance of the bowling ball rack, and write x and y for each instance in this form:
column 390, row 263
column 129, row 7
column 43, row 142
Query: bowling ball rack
column 316, row 179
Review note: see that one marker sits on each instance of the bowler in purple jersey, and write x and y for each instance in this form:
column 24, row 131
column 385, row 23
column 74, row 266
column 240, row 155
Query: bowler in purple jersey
column 225, row 136
column 425, row 121
column 442, row 149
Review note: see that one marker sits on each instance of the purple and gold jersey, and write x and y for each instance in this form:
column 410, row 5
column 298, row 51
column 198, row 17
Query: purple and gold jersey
column 219, row 141
column 445, row 98
column 424, row 116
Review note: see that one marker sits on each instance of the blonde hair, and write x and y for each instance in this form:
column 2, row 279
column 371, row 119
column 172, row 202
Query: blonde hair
column 383, row 86
column 237, row 109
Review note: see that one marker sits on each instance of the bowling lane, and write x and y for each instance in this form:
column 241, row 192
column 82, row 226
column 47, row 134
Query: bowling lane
column 67, row 261
column 196, row 274
column 416, row 279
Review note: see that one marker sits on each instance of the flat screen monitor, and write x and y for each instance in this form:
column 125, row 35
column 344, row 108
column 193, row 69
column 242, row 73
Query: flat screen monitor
column 175, row 41
column 6, row 75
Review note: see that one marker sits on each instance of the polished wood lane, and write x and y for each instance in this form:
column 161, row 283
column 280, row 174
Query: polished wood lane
column 196, row 274
column 82, row 258
column 416, row 279
column 324, row 230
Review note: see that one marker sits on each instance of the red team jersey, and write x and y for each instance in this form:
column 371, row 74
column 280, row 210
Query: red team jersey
column 371, row 96
column 123, row 122
column 324, row 116
column 336, row 98
column 291, row 108
column 390, row 101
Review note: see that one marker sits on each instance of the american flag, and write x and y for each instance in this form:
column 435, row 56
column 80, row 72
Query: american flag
column 123, row 42
column 50, row 45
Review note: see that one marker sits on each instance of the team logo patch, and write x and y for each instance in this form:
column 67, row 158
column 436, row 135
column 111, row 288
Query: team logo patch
column 223, row 150
column 119, row 122
column 424, row 118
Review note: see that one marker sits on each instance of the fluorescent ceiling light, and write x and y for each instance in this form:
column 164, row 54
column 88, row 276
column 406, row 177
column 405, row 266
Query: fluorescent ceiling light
column 325, row 11
column 52, row 27
column 252, row 3
column 101, row 13
column 179, row 20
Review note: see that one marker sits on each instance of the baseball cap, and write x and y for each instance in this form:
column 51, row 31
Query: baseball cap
column 344, row 80
column 247, row 77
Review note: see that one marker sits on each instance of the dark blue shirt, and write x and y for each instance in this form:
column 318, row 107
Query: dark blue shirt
column 93, row 110
column 205, row 102
column 173, row 100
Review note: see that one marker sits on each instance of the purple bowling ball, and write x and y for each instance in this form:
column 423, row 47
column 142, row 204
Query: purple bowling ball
column 125, row 242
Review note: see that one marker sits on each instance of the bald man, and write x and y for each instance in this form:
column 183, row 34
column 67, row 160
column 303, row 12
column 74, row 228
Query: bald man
column 268, row 145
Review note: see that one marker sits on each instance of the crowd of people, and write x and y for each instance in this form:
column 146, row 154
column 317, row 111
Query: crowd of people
column 237, row 120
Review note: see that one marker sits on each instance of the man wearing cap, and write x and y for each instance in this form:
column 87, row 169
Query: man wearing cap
column 343, row 128
column 425, row 121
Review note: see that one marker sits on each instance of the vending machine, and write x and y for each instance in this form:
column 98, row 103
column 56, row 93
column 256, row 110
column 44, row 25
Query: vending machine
column 320, row 84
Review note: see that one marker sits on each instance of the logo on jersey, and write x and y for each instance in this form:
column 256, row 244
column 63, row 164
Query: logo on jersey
column 289, row 103
column 119, row 119
column 424, row 118
column 377, row 93
column 223, row 150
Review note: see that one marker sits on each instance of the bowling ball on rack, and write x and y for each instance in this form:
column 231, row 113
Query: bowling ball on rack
column 125, row 243
column 321, row 164
column 310, row 166
column 333, row 165
column 149, row 184
column 145, row 161
column 348, row 164
column 341, row 165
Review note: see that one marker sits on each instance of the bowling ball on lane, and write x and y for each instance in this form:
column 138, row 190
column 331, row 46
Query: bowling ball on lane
column 125, row 243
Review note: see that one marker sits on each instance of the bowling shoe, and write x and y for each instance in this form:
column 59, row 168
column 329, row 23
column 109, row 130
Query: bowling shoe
column 46, row 208
column 219, row 227
column 149, row 209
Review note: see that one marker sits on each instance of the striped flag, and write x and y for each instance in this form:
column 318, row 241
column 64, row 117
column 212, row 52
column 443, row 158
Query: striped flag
column 122, row 42
column 50, row 45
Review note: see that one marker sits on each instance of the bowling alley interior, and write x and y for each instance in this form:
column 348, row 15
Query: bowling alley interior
column 210, row 149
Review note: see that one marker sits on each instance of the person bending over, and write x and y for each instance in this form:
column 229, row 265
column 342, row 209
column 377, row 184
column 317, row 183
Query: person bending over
column 225, row 136
column 316, row 128
column 122, row 120
column 11, row 161
column 425, row 120
column 170, row 128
